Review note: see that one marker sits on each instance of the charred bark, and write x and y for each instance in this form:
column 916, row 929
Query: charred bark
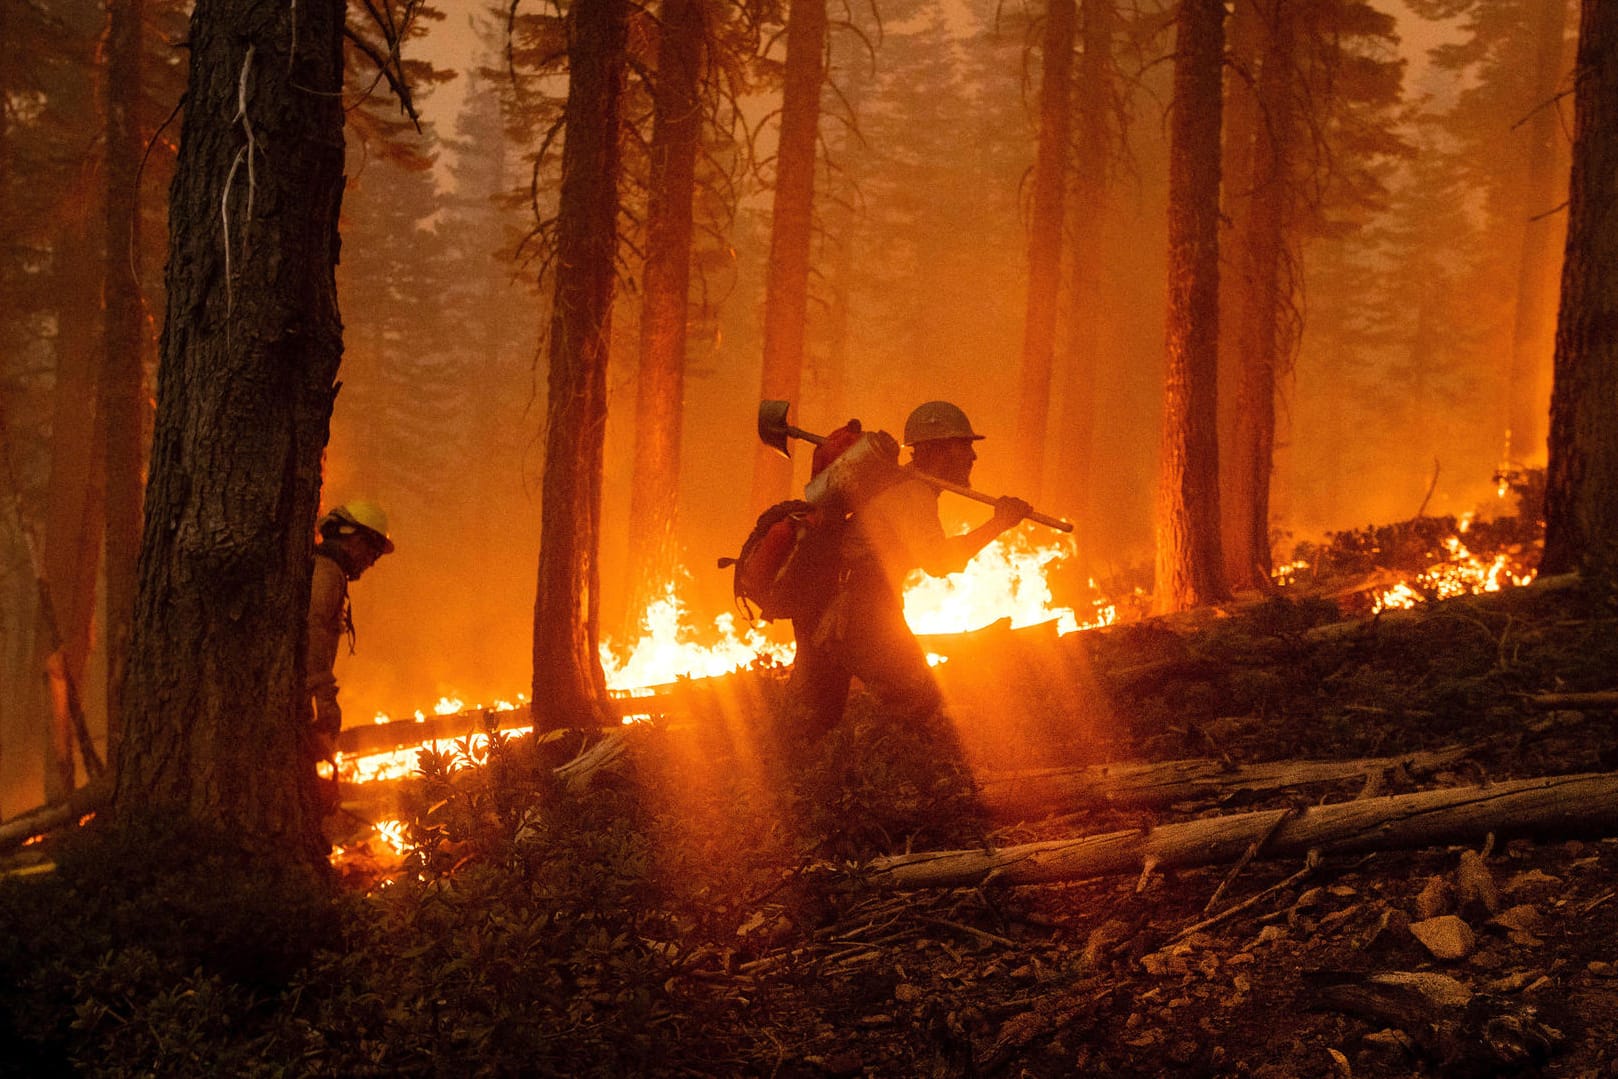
column 1045, row 241
column 1581, row 495
column 251, row 346
column 660, row 388
column 569, row 687
column 1189, row 568
column 786, row 287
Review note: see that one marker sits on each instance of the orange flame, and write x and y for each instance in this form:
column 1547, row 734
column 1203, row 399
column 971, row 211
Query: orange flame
column 1462, row 573
column 1006, row 579
column 668, row 649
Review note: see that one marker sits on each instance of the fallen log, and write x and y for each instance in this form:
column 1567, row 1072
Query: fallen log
column 692, row 697
column 87, row 799
column 689, row 698
column 1167, row 782
column 1562, row 805
column 368, row 738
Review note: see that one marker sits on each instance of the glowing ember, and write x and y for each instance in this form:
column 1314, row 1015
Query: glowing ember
column 392, row 832
column 449, row 706
column 1462, row 573
column 398, row 763
column 1289, row 572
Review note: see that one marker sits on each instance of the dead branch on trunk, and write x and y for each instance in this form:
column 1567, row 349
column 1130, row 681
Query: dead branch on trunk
column 1564, row 805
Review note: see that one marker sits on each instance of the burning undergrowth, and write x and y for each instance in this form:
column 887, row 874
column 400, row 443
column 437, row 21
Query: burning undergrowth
column 1036, row 590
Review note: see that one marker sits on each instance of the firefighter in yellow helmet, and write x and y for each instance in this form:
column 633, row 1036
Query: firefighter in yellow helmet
column 351, row 538
column 861, row 631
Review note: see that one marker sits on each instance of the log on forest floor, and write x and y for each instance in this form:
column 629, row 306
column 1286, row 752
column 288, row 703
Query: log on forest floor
column 25, row 826
column 1167, row 782
column 1559, row 806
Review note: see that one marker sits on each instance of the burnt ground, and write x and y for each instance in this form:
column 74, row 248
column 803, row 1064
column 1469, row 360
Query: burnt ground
column 1308, row 968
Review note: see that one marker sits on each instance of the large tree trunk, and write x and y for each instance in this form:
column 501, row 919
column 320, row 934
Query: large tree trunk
column 1241, row 125
column 1045, row 242
column 569, row 687
column 1533, row 319
column 660, row 389
column 1564, row 806
column 1264, row 334
column 1189, row 569
column 1072, row 488
column 251, row 345
column 121, row 396
column 786, row 287
column 1581, row 494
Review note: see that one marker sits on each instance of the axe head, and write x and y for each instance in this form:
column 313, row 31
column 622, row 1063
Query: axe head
column 773, row 426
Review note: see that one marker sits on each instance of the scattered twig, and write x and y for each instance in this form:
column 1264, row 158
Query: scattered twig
column 1241, row 863
column 971, row 930
column 1148, row 864
column 1596, row 902
column 1311, row 861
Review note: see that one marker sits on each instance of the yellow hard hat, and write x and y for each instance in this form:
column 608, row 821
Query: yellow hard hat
column 365, row 514
column 937, row 420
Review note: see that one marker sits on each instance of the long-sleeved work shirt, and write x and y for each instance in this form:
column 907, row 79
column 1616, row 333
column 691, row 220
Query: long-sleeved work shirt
column 329, row 622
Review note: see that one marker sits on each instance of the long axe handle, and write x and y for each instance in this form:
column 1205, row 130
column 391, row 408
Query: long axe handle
column 774, row 431
column 988, row 500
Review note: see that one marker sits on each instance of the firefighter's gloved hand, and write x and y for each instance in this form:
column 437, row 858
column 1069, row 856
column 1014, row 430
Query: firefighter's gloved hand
column 1009, row 511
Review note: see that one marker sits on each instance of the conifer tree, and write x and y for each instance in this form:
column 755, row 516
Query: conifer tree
column 212, row 705
column 1045, row 240
column 1581, row 494
column 786, row 296
column 569, row 688
column 1189, row 567
column 1508, row 125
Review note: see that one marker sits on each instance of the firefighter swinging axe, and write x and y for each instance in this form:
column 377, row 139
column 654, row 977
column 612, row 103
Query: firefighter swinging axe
column 774, row 431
